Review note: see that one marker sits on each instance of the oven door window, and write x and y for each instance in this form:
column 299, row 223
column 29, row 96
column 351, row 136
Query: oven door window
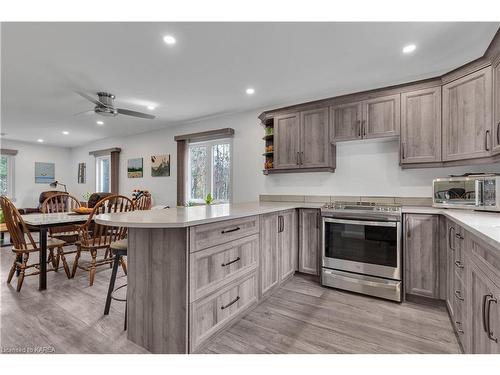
column 363, row 243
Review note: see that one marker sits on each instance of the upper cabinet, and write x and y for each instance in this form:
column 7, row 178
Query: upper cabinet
column 381, row 117
column 373, row 118
column 315, row 145
column 421, row 126
column 302, row 141
column 287, row 141
column 496, row 107
column 467, row 115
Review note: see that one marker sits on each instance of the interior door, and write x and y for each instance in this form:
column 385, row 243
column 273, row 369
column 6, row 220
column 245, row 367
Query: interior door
column 381, row 117
column 286, row 141
column 345, row 121
column 467, row 116
column 314, row 136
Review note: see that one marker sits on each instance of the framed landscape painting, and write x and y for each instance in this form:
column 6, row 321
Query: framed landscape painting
column 160, row 165
column 134, row 168
column 44, row 173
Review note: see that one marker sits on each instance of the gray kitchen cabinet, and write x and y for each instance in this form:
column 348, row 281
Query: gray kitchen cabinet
column 309, row 241
column 345, row 121
column 421, row 249
column 269, row 252
column 287, row 141
column 381, row 116
column 421, row 126
column 314, row 137
column 451, row 231
column 484, row 311
column 467, row 116
column 287, row 243
column 496, row 107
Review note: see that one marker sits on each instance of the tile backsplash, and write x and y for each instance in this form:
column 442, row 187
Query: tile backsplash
column 407, row 201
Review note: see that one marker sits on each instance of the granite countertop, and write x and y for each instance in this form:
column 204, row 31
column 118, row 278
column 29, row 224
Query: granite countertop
column 182, row 217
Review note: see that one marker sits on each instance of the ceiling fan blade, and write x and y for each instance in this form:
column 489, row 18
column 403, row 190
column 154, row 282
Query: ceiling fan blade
column 90, row 99
column 134, row 113
column 80, row 113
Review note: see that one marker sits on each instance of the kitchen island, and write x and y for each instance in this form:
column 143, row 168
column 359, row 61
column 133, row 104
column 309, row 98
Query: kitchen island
column 193, row 271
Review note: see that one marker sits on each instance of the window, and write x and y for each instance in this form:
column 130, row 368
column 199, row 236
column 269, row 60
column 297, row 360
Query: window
column 7, row 176
column 209, row 171
column 102, row 168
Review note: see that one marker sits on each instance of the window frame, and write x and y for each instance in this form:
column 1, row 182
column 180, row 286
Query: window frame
column 210, row 156
column 98, row 173
column 11, row 191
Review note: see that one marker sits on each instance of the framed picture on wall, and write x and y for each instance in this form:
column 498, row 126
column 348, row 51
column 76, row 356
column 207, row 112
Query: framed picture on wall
column 134, row 168
column 160, row 165
column 81, row 172
column 44, row 172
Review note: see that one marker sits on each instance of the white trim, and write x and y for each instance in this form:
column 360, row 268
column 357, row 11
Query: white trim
column 209, row 180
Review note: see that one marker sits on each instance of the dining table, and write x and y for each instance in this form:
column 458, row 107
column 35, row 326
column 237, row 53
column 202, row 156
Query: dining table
column 41, row 223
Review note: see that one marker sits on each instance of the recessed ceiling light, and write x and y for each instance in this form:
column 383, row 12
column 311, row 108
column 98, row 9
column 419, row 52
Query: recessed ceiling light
column 409, row 48
column 65, row 132
column 100, row 122
column 151, row 107
column 40, row 140
column 250, row 91
column 169, row 39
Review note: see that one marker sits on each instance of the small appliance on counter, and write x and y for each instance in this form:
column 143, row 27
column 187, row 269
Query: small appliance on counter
column 479, row 191
column 362, row 250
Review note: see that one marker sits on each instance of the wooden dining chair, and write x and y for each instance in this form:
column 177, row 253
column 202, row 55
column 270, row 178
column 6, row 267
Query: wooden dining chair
column 94, row 236
column 62, row 203
column 24, row 244
column 143, row 202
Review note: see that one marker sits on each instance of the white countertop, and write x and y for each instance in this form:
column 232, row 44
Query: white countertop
column 53, row 218
column 485, row 225
column 181, row 217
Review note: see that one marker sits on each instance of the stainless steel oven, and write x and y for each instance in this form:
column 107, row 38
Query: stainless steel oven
column 362, row 249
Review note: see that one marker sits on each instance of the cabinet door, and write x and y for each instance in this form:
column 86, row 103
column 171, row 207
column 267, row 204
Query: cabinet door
column 288, row 243
column 345, row 122
column 286, row 141
column 381, row 117
column 451, row 231
column 484, row 312
column 314, row 136
column 467, row 115
column 421, row 254
column 496, row 109
column 269, row 255
column 309, row 241
column 421, row 126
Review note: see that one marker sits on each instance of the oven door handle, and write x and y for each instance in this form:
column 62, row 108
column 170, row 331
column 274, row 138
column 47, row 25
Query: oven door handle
column 362, row 222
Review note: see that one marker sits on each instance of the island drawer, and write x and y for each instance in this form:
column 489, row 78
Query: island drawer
column 213, row 267
column 208, row 235
column 214, row 312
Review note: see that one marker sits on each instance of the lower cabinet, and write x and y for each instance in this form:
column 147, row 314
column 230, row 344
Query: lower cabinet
column 278, row 256
column 421, row 252
column 309, row 241
column 483, row 290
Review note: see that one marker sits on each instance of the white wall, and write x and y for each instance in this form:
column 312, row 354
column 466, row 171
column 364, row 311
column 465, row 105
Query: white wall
column 25, row 190
column 363, row 167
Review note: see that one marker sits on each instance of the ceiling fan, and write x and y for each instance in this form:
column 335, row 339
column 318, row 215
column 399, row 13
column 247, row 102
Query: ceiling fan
column 104, row 106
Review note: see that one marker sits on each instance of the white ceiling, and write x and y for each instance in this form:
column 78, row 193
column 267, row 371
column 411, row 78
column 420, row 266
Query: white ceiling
column 207, row 71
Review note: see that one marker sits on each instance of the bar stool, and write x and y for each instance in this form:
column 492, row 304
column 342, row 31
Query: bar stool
column 119, row 248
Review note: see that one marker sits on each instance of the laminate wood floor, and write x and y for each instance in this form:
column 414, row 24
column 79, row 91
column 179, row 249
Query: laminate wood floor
column 301, row 317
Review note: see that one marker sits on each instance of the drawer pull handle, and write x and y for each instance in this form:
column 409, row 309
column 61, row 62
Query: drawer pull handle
column 230, row 303
column 459, row 264
column 458, row 295
column 491, row 335
column 459, row 330
column 230, row 230
column 231, row 262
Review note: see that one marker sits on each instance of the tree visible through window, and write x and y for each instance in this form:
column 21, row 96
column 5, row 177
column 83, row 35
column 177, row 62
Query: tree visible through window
column 210, row 171
column 6, row 176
